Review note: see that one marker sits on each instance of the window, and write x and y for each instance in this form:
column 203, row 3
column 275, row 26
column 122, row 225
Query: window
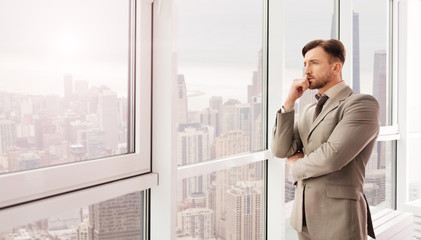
column 226, row 204
column 315, row 21
column 67, row 74
column 220, row 119
column 75, row 106
column 117, row 218
column 372, row 74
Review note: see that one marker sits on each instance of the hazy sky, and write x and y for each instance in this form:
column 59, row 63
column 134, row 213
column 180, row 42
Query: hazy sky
column 218, row 45
column 218, row 41
column 45, row 39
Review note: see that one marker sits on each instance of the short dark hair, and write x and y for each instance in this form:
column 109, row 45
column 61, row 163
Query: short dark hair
column 332, row 47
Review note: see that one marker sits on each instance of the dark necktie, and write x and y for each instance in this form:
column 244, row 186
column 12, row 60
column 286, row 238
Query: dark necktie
column 321, row 100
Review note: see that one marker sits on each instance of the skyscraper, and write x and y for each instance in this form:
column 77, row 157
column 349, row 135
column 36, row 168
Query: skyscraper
column 108, row 118
column 356, row 52
column 119, row 218
column 356, row 74
column 7, row 135
column 181, row 100
column 192, row 142
column 229, row 116
column 68, row 88
column 379, row 83
column 197, row 222
column 243, row 212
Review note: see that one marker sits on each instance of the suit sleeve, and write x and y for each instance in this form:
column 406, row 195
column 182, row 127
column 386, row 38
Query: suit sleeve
column 285, row 137
column 357, row 128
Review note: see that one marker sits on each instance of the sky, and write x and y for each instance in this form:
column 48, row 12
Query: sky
column 45, row 39
column 217, row 42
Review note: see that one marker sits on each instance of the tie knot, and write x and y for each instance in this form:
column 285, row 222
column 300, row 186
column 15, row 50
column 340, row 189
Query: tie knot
column 321, row 99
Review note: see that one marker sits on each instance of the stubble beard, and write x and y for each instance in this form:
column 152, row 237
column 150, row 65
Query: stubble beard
column 315, row 84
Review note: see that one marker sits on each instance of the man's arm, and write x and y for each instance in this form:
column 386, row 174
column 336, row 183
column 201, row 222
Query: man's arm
column 358, row 127
column 285, row 138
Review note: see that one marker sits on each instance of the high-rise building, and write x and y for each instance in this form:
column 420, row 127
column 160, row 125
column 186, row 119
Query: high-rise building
column 229, row 116
column 119, row 218
column 93, row 141
column 244, row 119
column 68, row 88
column 243, row 212
column 255, row 89
column 215, row 104
column 198, row 223
column 380, row 93
column 379, row 83
column 231, row 143
column 192, row 144
column 375, row 186
column 256, row 137
column 7, row 135
column 210, row 117
column 83, row 232
column 108, row 118
column 356, row 75
column 180, row 102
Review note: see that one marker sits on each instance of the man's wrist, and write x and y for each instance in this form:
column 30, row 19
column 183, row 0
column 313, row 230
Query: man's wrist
column 284, row 110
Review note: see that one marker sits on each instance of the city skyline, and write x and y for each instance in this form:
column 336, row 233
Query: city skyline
column 37, row 131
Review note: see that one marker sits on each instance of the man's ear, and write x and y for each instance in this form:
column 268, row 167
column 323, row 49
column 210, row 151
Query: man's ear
column 337, row 67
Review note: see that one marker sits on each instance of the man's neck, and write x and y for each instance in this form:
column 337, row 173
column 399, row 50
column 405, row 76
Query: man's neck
column 329, row 85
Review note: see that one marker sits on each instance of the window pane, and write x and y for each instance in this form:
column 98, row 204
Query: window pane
column 119, row 218
column 302, row 24
column 64, row 70
column 379, row 177
column 414, row 163
column 222, row 205
column 371, row 72
column 218, row 95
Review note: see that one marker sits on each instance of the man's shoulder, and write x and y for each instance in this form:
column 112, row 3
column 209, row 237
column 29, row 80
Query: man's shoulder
column 361, row 97
column 360, row 100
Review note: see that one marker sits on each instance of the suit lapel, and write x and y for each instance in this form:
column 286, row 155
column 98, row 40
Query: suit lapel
column 330, row 106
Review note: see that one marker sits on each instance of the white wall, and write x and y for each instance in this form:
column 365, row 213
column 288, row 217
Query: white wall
column 413, row 90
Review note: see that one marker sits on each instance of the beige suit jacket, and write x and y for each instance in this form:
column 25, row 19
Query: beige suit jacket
column 329, row 179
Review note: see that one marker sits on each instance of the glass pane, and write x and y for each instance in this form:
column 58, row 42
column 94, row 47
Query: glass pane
column 222, row 205
column 302, row 25
column 379, row 177
column 64, row 81
column 371, row 72
column 414, row 163
column 218, row 95
column 119, row 218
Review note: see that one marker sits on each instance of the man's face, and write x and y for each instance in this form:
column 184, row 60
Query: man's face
column 318, row 70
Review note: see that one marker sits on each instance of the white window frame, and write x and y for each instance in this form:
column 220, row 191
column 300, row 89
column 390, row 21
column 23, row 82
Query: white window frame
column 32, row 194
column 164, row 197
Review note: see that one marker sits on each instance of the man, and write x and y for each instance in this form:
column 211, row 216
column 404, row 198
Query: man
column 327, row 152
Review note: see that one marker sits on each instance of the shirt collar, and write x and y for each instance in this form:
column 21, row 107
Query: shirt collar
column 333, row 91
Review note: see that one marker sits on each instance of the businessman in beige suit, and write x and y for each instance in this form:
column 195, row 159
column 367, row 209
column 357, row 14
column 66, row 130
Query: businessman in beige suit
column 327, row 149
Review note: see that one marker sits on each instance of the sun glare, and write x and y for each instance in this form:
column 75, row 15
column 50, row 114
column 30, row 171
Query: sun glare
column 67, row 44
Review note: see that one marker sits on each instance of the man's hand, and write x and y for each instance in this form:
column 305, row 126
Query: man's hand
column 298, row 87
column 291, row 160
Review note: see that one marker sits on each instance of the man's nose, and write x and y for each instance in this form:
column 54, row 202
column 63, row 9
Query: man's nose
column 307, row 70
